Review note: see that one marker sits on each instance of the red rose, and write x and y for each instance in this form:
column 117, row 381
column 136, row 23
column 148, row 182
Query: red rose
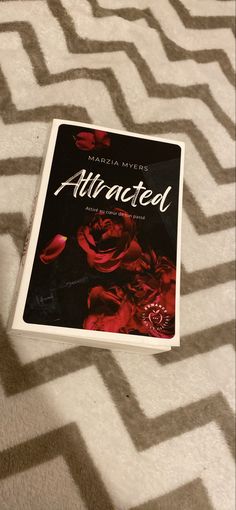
column 154, row 297
column 158, row 286
column 110, row 310
column 87, row 141
column 165, row 272
column 110, row 243
column 53, row 249
column 145, row 306
column 102, row 139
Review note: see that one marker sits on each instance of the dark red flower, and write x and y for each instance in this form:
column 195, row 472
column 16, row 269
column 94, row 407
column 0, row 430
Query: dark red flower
column 145, row 306
column 154, row 297
column 110, row 310
column 87, row 141
column 102, row 139
column 53, row 249
column 110, row 243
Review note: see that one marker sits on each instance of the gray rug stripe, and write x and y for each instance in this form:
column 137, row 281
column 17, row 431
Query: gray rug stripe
column 202, row 22
column 205, row 278
column 75, row 45
column 10, row 114
column 200, row 342
column 68, row 443
column 173, row 51
column 154, row 89
column 15, row 225
column 118, row 100
column 23, row 165
column 205, row 224
column 146, row 432
column 191, row 496
column 143, row 431
column 17, row 377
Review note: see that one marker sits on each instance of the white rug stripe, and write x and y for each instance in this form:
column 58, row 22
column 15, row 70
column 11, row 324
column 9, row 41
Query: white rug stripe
column 210, row 196
column 42, row 486
column 81, row 93
column 23, row 139
column 9, row 266
column 188, row 38
column 131, row 480
column 203, row 251
column 188, row 380
column 17, row 193
column 59, row 59
column 207, row 308
column 185, row 72
column 26, row 93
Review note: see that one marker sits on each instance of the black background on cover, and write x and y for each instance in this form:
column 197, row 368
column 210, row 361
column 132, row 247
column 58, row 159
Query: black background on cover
column 53, row 298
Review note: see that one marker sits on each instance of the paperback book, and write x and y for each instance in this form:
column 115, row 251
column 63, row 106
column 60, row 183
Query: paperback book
column 102, row 263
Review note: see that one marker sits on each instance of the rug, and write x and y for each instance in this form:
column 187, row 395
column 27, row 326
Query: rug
column 100, row 430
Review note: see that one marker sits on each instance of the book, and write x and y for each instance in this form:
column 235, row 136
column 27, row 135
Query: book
column 102, row 264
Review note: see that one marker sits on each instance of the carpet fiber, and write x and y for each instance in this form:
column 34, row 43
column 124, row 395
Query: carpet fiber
column 86, row 429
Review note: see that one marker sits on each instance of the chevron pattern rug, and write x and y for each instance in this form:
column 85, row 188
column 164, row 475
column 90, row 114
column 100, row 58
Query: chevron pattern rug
column 87, row 429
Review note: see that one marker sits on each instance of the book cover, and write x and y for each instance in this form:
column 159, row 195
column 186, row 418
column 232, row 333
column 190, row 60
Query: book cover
column 104, row 253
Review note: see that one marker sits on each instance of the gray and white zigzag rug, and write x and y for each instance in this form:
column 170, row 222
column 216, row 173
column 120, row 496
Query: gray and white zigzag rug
column 90, row 429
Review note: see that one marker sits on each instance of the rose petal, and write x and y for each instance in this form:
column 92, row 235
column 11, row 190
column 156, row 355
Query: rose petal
column 133, row 252
column 85, row 141
column 102, row 138
column 53, row 249
column 99, row 135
